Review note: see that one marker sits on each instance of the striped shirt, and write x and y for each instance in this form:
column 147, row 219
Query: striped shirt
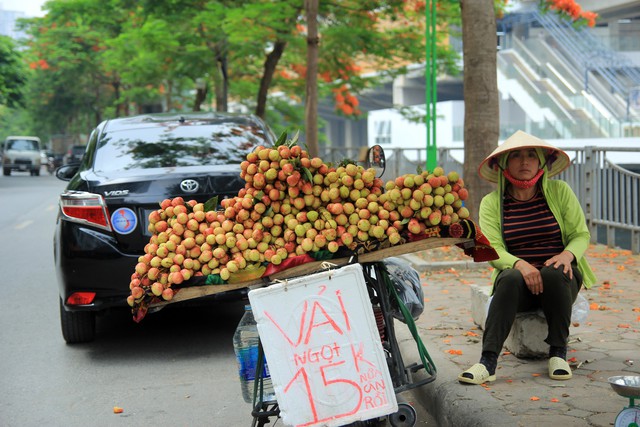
column 531, row 232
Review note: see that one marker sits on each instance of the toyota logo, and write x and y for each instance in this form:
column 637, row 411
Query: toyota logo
column 189, row 186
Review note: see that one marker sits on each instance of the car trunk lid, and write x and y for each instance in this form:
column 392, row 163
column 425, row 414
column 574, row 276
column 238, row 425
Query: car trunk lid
column 130, row 199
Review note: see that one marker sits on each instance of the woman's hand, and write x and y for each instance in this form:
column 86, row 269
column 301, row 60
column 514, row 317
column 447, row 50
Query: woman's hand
column 531, row 275
column 564, row 259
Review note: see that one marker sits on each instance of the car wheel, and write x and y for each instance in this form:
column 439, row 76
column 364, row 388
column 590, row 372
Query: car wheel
column 77, row 326
column 6, row 171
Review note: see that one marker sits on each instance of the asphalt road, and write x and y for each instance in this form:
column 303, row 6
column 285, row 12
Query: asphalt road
column 176, row 367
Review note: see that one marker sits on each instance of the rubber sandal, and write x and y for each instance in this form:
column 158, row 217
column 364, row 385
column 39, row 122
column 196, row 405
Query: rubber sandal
column 559, row 369
column 478, row 375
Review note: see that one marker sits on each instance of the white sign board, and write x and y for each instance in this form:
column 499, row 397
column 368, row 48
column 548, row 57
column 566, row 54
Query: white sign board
column 323, row 349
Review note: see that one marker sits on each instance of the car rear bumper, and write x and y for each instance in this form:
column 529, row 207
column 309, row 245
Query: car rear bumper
column 88, row 260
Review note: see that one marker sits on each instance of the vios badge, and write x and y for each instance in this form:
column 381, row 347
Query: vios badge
column 124, row 220
column 189, row 185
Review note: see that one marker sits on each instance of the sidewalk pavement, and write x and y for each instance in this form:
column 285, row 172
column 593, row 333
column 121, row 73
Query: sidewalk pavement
column 606, row 344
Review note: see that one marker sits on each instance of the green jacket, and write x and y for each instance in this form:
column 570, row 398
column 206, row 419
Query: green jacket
column 565, row 207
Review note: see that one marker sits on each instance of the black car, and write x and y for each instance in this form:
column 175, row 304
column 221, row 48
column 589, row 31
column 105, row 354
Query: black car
column 74, row 154
column 130, row 166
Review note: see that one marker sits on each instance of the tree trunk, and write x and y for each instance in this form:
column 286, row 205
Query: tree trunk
column 220, row 78
column 481, row 109
column 222, row 90
column 270, row 65
column 311, row 103
column 116, row 95
column 168, row 100
column 220, row 84
column 201, row 95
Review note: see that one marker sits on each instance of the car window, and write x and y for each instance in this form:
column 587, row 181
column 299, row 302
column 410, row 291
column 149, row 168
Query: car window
column 177, row 145
column 22, row 145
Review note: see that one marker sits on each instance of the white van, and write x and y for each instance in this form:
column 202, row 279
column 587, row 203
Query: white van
column 21, row 153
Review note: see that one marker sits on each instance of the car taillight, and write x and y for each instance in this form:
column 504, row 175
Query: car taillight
column 81, row 298
column 85, row 208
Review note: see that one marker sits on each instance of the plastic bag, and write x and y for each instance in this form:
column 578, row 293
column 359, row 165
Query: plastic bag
column 580, row 309
column 406, row 280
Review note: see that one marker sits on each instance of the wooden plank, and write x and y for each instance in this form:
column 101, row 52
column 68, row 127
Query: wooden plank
column 192, row 292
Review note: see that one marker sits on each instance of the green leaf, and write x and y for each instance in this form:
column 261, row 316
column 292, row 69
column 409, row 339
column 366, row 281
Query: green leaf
column 321, row 255
column 293, row 141
column 13, row 74
column 258, row 197
column 307, row 174
column 211, row 204
column 345, row 162
column 282, row 139
column 214, row 279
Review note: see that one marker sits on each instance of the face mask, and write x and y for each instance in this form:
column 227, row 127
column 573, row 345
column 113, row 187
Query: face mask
column 522, row 183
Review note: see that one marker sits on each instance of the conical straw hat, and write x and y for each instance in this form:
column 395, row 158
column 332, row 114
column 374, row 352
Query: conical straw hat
column 557, row 160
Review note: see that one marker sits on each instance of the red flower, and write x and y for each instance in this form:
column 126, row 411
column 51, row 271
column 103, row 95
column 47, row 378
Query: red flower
column 573, row 10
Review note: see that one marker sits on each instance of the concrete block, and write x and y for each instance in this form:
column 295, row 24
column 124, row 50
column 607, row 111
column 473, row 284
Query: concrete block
column 529, row 330
column 527, row 335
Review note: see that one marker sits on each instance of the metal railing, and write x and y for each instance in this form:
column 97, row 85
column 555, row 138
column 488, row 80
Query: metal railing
column 609, row 193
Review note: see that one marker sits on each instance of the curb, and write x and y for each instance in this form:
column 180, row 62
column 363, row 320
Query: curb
column 421, row 264
column 450, row 403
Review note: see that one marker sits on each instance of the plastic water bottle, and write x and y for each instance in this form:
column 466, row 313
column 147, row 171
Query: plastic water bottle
column 245, row 345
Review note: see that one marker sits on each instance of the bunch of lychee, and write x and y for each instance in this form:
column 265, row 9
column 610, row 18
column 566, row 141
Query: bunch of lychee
column 426, row 199
column 302, row 204
column 291, row 205
column 178, row 249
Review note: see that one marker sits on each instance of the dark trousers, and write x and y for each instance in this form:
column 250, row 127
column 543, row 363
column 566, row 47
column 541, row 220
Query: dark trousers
column 512, row 296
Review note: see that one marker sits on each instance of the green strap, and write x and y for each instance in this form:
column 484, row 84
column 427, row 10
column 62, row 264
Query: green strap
column 428, row 364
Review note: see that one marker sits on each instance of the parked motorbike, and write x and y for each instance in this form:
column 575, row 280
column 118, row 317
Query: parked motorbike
column 53, row 162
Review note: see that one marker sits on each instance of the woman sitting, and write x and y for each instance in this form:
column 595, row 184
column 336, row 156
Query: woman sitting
column 538, row 228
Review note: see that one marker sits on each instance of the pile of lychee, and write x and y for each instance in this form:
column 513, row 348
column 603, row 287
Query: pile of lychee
column 291, row 205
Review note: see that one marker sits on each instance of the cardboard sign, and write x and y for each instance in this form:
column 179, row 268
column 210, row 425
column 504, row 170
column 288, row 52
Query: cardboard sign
column 323, row 349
